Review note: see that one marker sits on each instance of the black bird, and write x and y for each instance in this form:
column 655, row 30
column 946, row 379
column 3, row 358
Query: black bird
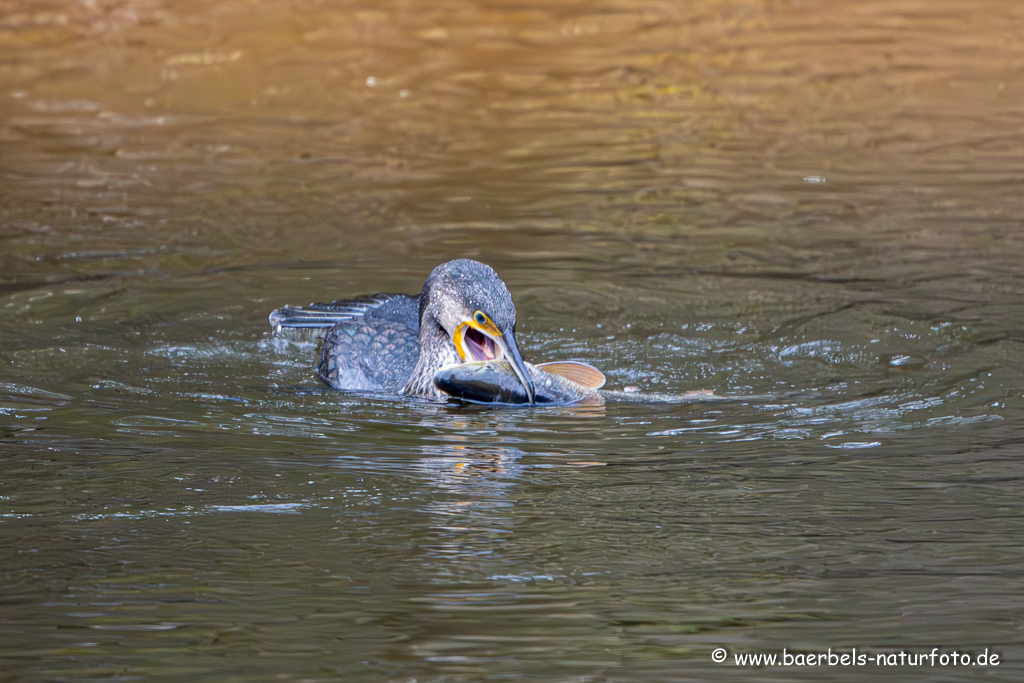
column 396, row 343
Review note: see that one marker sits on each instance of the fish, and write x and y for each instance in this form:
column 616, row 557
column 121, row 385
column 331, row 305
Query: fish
column 561, row 383
column 494, row 381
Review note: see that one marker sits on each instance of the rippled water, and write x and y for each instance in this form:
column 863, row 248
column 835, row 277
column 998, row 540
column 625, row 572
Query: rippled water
column 812, row 200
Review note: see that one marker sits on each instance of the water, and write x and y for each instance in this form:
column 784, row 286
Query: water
column 811, row 200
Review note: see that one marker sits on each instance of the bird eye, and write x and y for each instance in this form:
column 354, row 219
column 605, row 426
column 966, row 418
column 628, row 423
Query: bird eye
column 481, row 319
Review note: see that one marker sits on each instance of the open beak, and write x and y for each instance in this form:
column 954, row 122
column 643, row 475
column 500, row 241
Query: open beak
column 515, row 359
column 476, row 342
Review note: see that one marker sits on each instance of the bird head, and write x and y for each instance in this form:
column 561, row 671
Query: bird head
column 473, row 306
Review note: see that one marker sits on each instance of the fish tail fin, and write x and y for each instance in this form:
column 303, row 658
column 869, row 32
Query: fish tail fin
column 587, row 376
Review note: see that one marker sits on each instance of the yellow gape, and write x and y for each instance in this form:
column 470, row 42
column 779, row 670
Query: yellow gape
column 479, row 339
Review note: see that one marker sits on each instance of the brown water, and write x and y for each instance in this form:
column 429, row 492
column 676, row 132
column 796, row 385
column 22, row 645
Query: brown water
column 816, row 200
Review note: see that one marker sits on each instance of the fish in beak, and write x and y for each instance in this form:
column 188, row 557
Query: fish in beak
column 479, row 339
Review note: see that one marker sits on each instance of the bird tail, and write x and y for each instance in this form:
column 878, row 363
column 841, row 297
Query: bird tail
column 321, row 316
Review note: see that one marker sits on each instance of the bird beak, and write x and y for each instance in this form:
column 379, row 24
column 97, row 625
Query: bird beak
column 490, row 343
column 515, row 359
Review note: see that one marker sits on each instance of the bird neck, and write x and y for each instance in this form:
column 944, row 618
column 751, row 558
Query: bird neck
column 436, row 351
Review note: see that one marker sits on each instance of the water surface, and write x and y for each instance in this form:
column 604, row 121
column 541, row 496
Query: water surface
column 811, row 200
